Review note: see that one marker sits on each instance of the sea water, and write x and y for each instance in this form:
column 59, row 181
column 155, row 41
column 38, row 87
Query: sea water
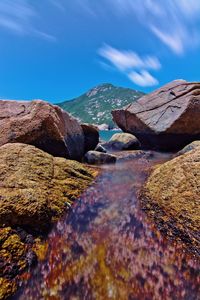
column 106, row 135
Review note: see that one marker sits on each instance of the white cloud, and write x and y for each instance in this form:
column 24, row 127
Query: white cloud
column 18, row 16
column 173, row 40
column 123, row 60
column 127, row 59
column 128, row 62
column 173, row 22
column 143, row 78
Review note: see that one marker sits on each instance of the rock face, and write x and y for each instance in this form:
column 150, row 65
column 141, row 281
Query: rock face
column 98, row 158
column 91, row 135
column 191, row 146
column 167, row 119
column 172, row 197
column 123, row 141
column 43, row 125
column 35, row 187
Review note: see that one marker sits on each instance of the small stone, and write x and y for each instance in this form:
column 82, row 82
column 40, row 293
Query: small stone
column 95, row 157
column 100, row 148
column 123, row 141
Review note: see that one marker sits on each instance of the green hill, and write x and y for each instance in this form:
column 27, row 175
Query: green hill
column 95, row 106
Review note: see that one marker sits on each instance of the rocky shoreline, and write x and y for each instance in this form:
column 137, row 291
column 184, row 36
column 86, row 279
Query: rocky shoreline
column 38, row 182
column 42, row 150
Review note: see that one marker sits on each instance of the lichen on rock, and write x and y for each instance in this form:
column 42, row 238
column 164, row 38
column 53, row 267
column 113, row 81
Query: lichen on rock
column 171, row 196
column 35, row 186
column 35, row 189
column 13, row 260
column 7, row 288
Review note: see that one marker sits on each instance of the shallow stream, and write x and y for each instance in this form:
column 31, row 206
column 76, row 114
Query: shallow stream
column 107, row 248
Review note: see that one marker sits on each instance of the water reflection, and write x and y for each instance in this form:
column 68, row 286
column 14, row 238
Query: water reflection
column 107, row 248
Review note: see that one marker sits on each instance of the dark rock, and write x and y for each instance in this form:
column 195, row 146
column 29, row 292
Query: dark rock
column 167, row 119
column 95, row 157
column 91, row 136
column 100, row 148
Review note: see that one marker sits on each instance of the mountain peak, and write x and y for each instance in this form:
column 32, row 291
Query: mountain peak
column 104, row 87
column 95, row 106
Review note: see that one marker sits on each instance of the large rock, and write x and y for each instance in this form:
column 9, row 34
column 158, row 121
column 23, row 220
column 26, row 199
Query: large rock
column 172, row 197
column 167, row 119
column 41, row 124
column 91, row 135
column 35, row 187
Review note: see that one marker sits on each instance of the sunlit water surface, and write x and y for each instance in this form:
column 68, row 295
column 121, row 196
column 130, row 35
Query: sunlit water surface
column 107, row 248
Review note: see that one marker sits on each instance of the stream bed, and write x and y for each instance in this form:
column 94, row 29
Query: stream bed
column 107, row 248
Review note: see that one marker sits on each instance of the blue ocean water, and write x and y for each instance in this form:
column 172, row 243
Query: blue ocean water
column 106, row 135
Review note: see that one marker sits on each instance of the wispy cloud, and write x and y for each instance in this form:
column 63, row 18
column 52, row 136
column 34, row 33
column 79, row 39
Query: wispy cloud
column 58, row 4
column 173, row 22
column 125, row 60
column 132, row 65
column 18, row 16
column 143, row 78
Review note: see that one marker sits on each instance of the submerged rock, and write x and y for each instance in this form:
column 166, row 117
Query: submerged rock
column 123, row 156
column 167, row 119
column 39, row 123
column 123, row 141
column 191, row 146
column 91, row 135
column 97, row 158
column 172, row 196
column 35, row 187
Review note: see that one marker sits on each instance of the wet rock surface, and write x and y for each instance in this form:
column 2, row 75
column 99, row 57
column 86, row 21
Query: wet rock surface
column 167, row 119
column 43, row 125
column 172, row 197
column 123, row 156
column 99, row 158
column 107, row 248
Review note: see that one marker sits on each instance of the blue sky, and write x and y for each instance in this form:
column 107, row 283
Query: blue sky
column 58, row 49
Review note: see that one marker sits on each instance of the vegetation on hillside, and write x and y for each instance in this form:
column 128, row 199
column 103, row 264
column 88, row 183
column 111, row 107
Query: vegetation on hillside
column 95, row 106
